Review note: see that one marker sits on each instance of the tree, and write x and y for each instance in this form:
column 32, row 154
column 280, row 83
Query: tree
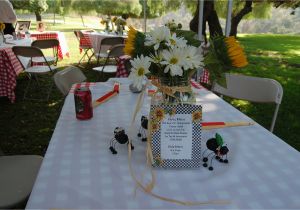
column 55, row 8
column 210, row 16
column 241, row 9
column 83, row 7
column 38, row 7
column 108, row 7
column 157, row 8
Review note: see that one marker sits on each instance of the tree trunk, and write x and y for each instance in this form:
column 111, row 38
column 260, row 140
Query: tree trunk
column 209, row 15
column 82, row 20
column 38, row 16
column 239, row 16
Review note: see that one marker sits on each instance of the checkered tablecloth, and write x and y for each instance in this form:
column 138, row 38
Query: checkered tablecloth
column 204, row 78
column 121, row 69
column 62, row 48
column 84, row 42
column 10, row 67
column 79, row 171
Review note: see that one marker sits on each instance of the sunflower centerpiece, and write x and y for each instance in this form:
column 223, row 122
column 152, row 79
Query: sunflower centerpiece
column 120, row 24
column 225, row 53
column 107, row 23
column 172, row 57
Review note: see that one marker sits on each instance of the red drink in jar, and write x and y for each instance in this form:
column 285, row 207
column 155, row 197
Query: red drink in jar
column 83, row 103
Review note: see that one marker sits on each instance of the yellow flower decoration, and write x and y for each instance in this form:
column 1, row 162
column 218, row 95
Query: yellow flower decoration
column 129, row 43
column 154, row 126
column 2, row 26
column 235, row 52
column 196, row 116
column 114, row 19
column 159, row 113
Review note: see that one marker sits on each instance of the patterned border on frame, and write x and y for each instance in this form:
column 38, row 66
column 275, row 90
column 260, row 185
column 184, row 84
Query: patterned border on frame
column 157, row 114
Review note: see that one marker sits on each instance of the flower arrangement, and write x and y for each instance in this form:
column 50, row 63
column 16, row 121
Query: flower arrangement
column 174, row 55
column 106, row 21
column 120, row 24
column 173, row 26
column 225, row 53
column 162, row 53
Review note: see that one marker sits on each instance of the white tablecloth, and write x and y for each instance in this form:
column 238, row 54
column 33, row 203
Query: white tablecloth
column 79, row 171
column 21, row 42
column 96, row 37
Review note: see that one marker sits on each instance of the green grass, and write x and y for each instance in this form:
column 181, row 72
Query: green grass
column 27, row 126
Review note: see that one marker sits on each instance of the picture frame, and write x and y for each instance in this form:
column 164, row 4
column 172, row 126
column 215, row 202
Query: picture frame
column 175, row 132
column 40, row 26
column 23, row 26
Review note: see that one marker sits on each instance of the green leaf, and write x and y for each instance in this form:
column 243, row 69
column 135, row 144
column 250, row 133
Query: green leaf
column 190, row 36
column 219, row 139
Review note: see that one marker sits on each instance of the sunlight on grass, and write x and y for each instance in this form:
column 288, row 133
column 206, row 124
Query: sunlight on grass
column 53, row 104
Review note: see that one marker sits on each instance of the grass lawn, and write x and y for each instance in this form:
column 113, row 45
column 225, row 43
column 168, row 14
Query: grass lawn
column 27, row 126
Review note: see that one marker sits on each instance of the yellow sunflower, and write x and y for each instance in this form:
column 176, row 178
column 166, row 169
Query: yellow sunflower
column 159, row 114
column 197, row 115
column 2, row 26
column 129, row 43
column 154, row 126
column 235, row 52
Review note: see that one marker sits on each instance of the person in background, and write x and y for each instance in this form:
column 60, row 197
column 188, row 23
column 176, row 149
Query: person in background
column 7, row 16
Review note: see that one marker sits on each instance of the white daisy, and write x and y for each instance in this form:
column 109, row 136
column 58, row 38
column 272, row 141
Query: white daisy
column 175, row 41
column 173, row 60
column 140, row 67
column 192, row 57
column 156, row 57
column 158, row 35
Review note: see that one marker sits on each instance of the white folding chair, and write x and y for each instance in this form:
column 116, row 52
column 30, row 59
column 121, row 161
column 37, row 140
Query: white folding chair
column 46, row 44
column 17, row 176
column 254, row 89
column 34, row 71
column 115, row 52
column 66, row 78
column 105, row 45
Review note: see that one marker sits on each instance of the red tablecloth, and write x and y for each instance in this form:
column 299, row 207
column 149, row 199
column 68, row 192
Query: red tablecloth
column 62, row 48
column 121, row 70
column 85, row 42
column 10, row 67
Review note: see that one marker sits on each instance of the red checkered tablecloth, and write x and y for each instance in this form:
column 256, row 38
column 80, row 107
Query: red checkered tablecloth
column 62, row 48
column 85, row 42
column 121, row 70
column 204, row 78
column 10, row 67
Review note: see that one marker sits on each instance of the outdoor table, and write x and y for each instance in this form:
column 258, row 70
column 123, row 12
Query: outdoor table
column 63, row 49
column 80, row 172
column 96, row 37
column 10, row 67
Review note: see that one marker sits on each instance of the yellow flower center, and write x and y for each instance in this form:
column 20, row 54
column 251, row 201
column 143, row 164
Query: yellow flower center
column 173, row 60
column 141, row 71
column 173, row 42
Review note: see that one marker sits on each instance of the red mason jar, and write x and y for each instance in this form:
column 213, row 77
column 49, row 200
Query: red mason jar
column 83, row 103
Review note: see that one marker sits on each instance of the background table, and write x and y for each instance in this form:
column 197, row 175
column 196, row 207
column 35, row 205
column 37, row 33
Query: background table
column 79, row 171
column 96, row 37
column 10, row 68
column 63, row 49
